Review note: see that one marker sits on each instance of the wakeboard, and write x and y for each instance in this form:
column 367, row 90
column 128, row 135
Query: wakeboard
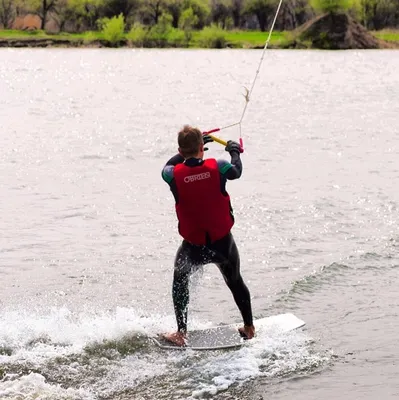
column 227, row 336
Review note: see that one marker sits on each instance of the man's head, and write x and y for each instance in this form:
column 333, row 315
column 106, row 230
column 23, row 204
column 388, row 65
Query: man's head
column 191, row 142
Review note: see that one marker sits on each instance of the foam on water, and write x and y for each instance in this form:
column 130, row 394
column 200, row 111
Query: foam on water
column 32, row 341
column 55, row 345
column 34, row 386
column 66, row 331
column 272, row 355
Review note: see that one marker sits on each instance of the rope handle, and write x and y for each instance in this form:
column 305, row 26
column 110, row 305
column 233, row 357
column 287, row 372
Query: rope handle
column 221, row 141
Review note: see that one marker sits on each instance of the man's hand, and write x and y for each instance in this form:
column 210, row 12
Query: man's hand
column 233, row 147
column 207, row 139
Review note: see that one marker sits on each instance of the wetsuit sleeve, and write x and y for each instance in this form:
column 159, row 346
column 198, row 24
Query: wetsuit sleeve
column 167, row 172
column 233, row 169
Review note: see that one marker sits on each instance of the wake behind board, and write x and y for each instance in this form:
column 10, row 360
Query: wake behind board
column 227, row 336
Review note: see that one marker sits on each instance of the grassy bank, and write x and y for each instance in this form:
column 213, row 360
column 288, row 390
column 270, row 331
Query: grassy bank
column 198, row 39
column 256, row 39
column 389, row 35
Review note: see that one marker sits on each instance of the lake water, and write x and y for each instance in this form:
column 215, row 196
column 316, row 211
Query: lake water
column 88, row 229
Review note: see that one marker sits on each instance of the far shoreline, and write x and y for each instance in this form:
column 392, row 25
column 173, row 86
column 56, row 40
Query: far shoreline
column 79, row 44
column 249, row 40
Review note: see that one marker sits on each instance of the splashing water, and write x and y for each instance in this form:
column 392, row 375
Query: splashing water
column 91, row 356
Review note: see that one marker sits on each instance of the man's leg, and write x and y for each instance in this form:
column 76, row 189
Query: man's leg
column 184, row 267
column 180, row 289
column 227, row 258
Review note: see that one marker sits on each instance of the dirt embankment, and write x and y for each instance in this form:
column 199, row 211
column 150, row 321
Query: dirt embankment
column 40, row 42
column 336, row 32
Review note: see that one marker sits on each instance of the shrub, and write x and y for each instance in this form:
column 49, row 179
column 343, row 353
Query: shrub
column 113, row 29
column 159, row 33
column 137, row 35
column 212, row 37
column 177, row 38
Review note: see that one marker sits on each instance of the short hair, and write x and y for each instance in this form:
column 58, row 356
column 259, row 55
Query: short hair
column 190, row 140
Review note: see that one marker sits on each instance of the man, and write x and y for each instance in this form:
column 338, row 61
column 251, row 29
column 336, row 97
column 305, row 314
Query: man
column 205, row 218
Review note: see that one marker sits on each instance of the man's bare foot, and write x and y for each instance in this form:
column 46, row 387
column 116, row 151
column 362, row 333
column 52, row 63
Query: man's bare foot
column 177, row 338
column 247, row 331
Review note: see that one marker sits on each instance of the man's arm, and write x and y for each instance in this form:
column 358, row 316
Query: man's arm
column 233, row 169
column 236, row 166
column 167, row 171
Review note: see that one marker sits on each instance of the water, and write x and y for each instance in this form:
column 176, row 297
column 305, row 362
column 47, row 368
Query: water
column 88, row 231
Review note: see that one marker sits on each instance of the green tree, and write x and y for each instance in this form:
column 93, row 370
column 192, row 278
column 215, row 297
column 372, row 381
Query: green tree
column 116, row 7
column 152, row 10
column 333, row 6
column 264, row 11
column 220, row 12
column 86, row 12
column 187, row 22
column 367, row 10
column 175, row 9
column 237, row 9
column 75, row 14
column 200, row 9
column 159, row 33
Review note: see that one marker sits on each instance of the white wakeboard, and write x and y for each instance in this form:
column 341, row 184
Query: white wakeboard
column 227, row 336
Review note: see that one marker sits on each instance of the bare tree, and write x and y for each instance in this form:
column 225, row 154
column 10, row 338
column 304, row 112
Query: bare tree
column 237, row 9
column 47, row 6
column 42, row 8
column 293, row 13
column 7, row 13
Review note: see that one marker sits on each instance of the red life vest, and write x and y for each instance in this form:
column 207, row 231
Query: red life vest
column 202, row 209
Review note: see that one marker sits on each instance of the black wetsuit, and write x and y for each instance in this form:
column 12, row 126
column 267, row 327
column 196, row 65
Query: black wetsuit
column 223, row 252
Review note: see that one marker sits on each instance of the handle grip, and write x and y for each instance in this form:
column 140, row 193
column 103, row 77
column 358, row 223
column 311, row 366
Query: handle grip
column 221, row 141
